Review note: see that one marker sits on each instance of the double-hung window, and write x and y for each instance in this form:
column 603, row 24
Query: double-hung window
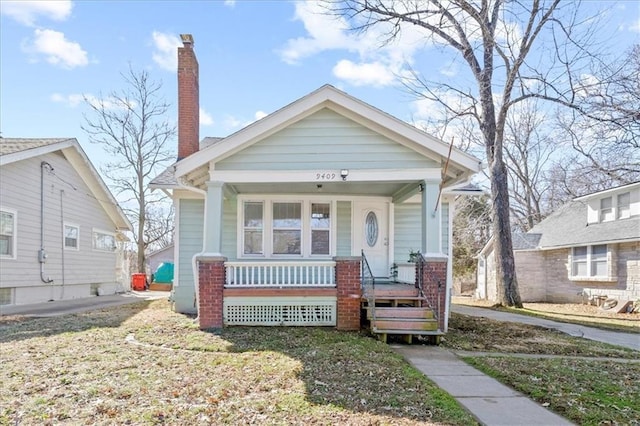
column 7, row 234
column 287, row 228
column 624, row 205
column 606, row 209
column 590, row 261
column 281, row 228
column 71, row 237
column 320, row 228
column 253, row 228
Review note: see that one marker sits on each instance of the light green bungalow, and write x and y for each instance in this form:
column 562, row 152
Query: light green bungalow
column 276, row 223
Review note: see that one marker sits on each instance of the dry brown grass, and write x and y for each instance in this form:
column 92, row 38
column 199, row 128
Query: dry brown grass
column 143, row 364
column 570, row 312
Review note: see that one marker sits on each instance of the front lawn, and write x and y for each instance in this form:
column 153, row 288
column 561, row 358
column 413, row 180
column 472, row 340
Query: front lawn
column 589, row 383
column 143, row 364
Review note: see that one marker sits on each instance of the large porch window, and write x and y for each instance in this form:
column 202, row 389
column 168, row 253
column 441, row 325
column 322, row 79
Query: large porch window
column 281, row 228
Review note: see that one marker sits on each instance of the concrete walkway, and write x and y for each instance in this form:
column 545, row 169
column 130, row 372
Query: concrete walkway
column 491, row 402
column 627, row 340
column 72, row 306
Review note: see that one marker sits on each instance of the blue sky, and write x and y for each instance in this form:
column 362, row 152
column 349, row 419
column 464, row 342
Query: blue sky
column 255, row 57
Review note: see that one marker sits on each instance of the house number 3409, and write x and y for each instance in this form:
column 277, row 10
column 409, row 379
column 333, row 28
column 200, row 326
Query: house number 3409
column 325, row 176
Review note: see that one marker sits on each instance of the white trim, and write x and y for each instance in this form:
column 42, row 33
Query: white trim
column 267, row 201
column 355, row 175
column 34, row 152
column 64, row 236
column 608, row 191
column 589, row 264
column 14, row 248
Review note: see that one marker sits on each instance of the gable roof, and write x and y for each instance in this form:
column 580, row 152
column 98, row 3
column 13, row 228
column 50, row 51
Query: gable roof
column 568, row 227
column 13, row 150
column 328, row 96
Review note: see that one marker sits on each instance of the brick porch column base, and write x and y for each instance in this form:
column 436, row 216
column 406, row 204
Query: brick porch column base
column 349, row 292
column 434, row 279
column 211, row 279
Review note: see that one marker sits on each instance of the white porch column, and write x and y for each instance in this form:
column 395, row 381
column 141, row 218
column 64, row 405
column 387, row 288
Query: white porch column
column 431, row 233
column 213, row 218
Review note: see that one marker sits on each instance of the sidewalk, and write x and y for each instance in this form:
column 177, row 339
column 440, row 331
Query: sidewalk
column 488, row 400
column 71, row 306
column 627, row 340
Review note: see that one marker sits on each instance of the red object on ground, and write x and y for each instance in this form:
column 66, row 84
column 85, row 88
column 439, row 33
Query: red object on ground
column 138, row 282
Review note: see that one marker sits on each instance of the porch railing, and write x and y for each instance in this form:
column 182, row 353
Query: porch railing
column 432, row 292
column 280, row 274
column 368, row 285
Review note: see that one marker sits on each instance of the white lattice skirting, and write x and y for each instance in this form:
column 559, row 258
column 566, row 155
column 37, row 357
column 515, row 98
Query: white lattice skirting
column 285, row 311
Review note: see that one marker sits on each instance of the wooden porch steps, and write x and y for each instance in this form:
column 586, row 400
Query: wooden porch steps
column 399, row 310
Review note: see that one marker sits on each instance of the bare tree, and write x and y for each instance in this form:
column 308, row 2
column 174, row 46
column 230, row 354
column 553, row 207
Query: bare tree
column 132, row 128
column 528, row 147
column 513, row 51
column 606, row 129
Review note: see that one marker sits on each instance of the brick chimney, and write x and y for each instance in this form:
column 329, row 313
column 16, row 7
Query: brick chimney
column 188, row 99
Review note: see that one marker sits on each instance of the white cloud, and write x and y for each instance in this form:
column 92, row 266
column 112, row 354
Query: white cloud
column 205, row 118
column 26, row 12
column 324, row 32
column 364, row 74
column 230, row 3
column 166, row 47
column 74, row 99
column 635, row 27
column 378, row 63
column 57, row 49
column 260, row 115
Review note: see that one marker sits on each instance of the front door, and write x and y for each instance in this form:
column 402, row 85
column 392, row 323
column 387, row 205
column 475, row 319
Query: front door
column 371, row 234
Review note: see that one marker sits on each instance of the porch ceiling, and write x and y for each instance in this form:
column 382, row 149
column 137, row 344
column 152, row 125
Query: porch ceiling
column 330, row 188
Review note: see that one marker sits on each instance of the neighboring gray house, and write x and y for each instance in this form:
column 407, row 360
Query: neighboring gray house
column 589, row 247
column 156, row 258
column 60, row 227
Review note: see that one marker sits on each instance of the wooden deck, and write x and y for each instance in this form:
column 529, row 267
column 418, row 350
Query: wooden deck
column 397, row 308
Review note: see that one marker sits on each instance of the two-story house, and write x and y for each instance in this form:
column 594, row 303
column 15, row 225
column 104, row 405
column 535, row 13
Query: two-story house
column 590, row 247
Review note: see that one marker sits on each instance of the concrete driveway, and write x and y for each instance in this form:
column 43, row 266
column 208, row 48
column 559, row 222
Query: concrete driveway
column 63, row 307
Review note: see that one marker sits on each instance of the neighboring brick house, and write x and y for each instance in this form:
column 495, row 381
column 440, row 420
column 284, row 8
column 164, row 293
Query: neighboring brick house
column 589, row 247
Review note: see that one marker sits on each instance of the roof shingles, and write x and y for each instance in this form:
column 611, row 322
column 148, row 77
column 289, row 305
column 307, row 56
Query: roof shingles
column 13, row 145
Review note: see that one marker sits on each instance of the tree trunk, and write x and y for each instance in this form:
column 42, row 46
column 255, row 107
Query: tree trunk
column 508, row 294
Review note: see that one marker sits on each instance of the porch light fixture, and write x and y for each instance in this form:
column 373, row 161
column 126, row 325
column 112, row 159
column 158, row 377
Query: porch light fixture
column 344, row 173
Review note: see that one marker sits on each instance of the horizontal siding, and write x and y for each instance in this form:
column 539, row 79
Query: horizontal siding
column 445, row 227
column 343, row 228
column 191, row 226
column 230, row 229
column 20, row 189
column 325, row 140
column 407, row 226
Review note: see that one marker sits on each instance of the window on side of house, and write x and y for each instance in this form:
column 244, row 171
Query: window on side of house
column 71, row 237
column 253, row 223
column 104, row 241
column 590, row 261
column 7, row 233
column 579, row 262
column 624, row 205
column 287, row 228
column 320, row 228
column 606, row 209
